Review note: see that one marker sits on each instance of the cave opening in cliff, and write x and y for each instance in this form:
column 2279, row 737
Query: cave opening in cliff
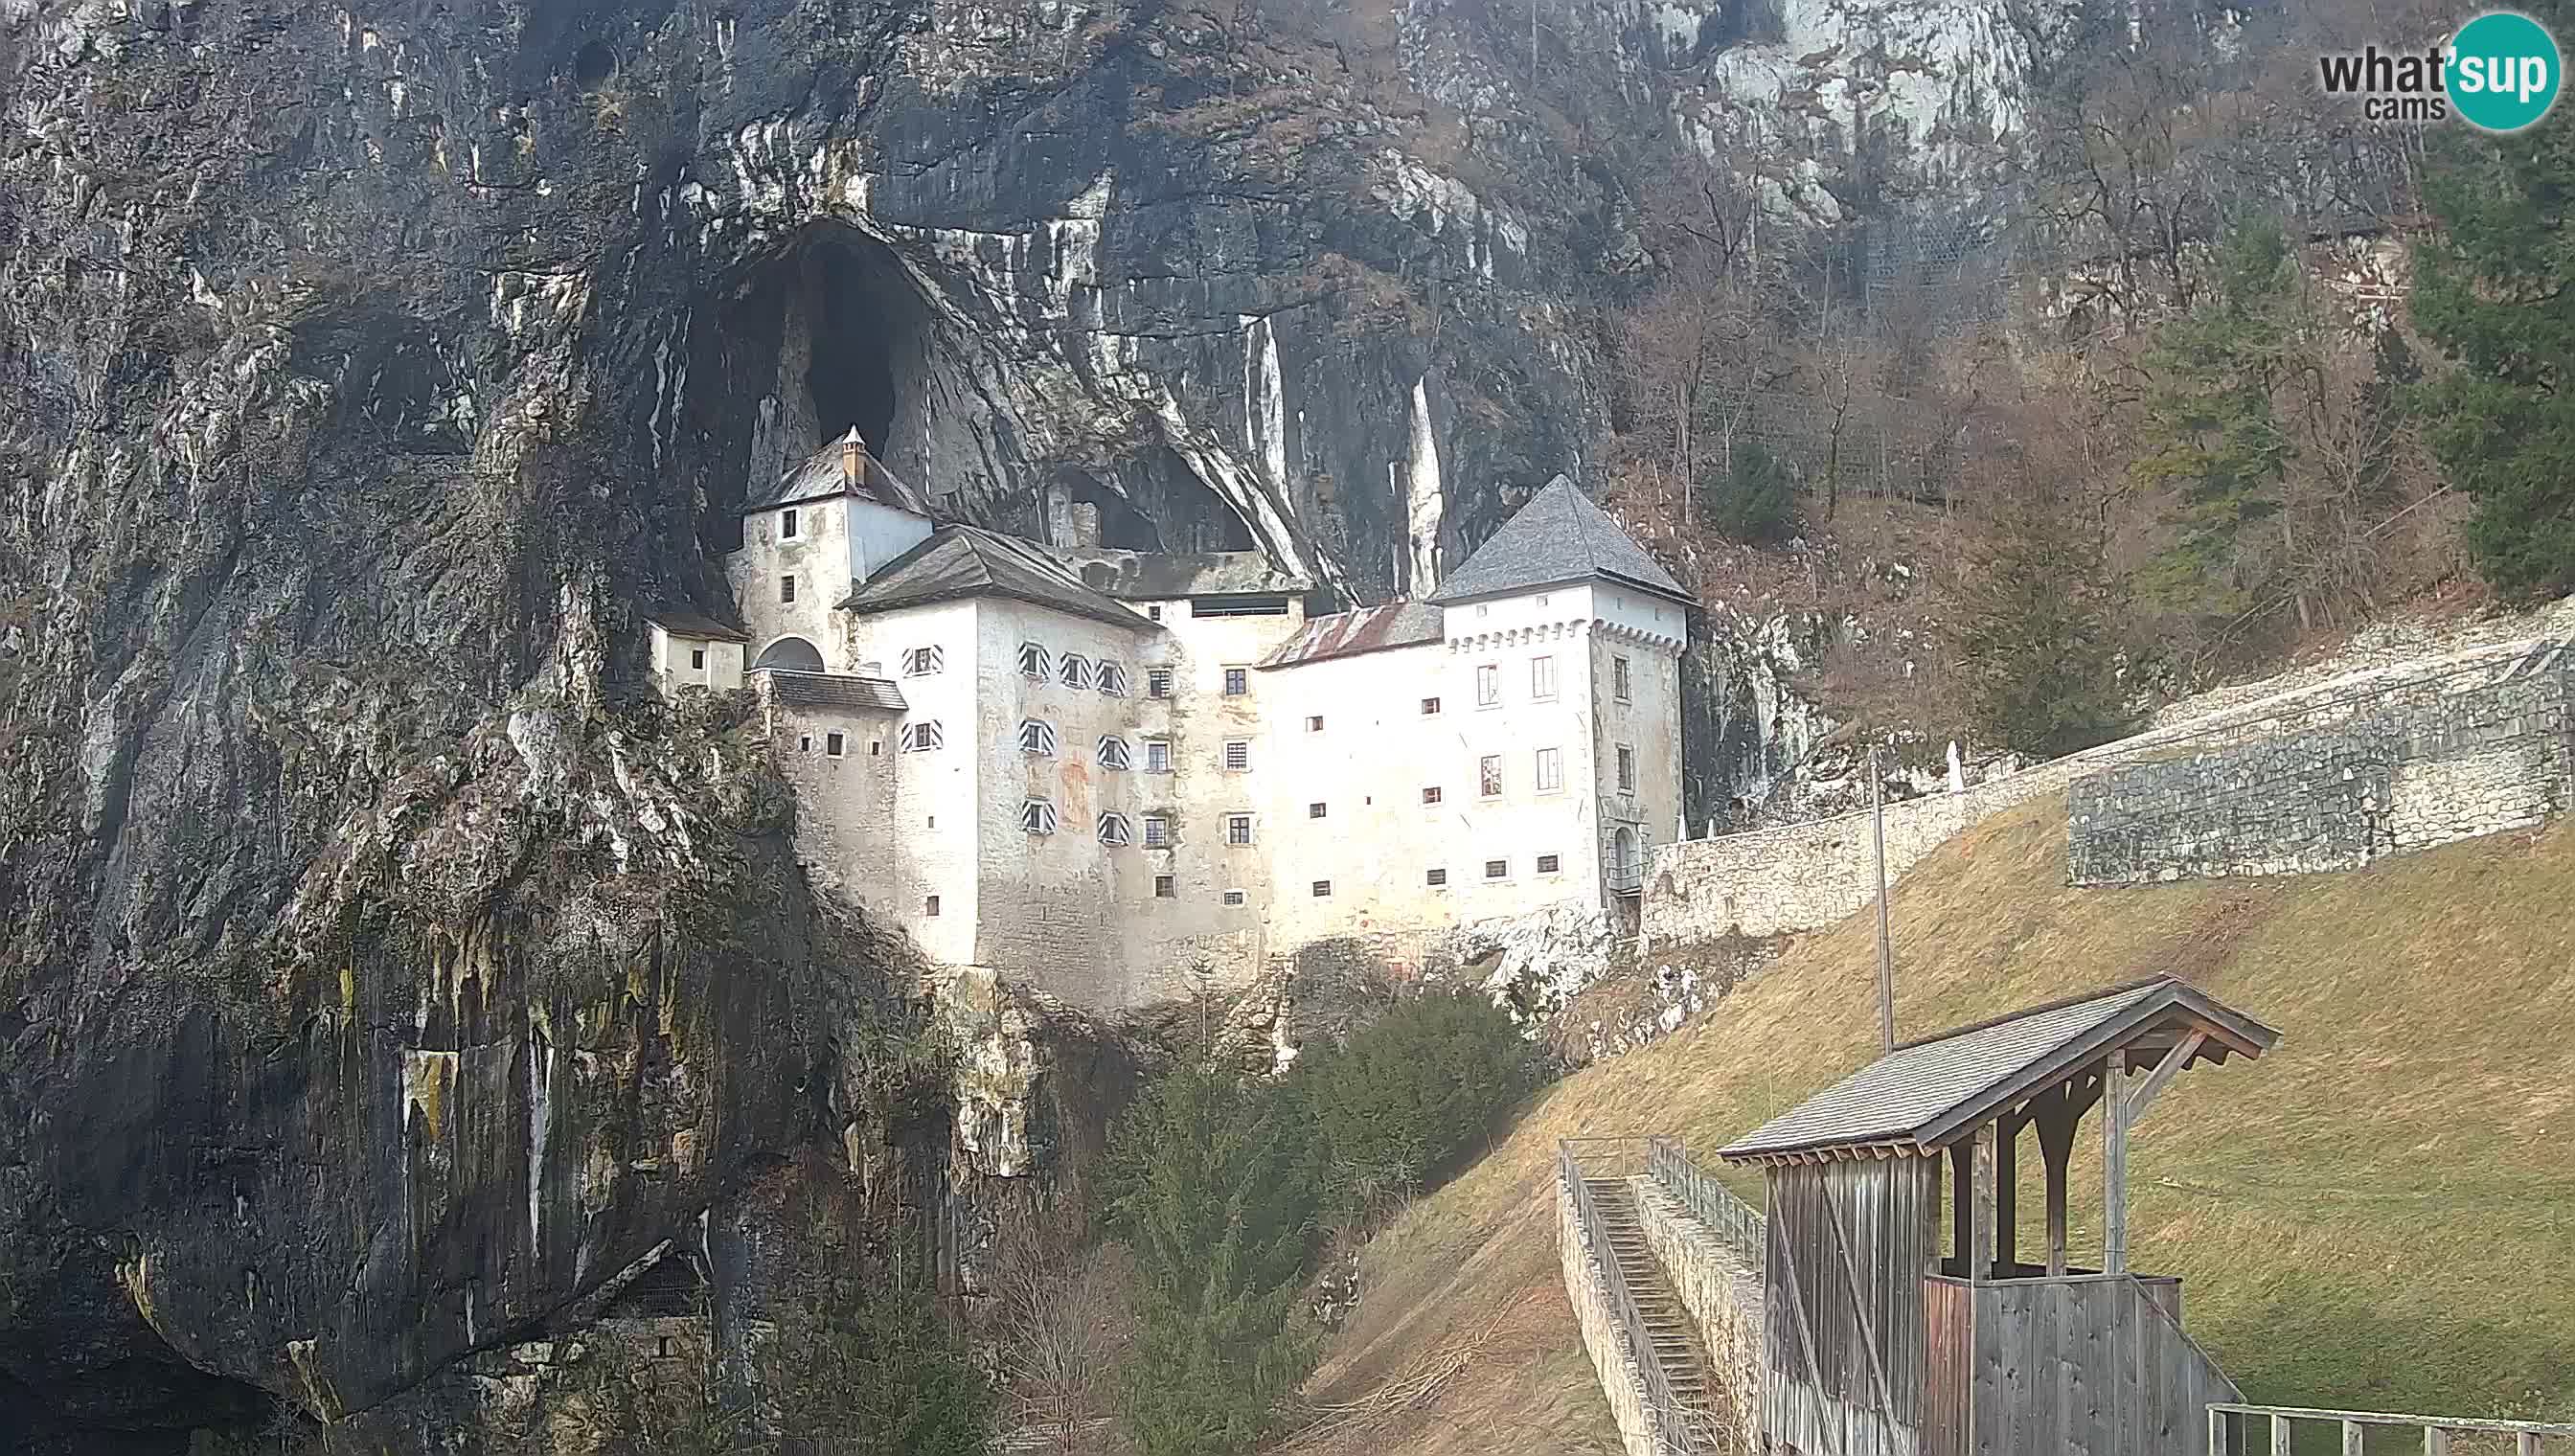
column 867, row 338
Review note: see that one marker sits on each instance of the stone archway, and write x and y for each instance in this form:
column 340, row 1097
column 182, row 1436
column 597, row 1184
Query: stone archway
column 790, row 654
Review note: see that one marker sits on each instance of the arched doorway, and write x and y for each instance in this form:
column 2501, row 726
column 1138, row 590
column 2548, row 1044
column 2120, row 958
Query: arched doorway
column 792, row 654
column 1624, row 872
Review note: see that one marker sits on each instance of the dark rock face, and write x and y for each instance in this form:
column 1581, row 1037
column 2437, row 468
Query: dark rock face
column 380, row 973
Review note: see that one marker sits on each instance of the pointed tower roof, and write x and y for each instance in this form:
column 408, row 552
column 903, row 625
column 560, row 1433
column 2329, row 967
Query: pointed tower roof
column 1557, row 538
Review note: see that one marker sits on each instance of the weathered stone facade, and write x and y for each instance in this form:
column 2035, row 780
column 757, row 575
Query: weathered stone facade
column 2426, row 765
column 1722, row 1295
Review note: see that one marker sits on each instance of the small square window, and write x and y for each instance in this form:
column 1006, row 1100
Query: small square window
column 696, row 657
column 1237, row 829
column 787, row 589
column 1430, row 795
column 1489, row 776
column 1322, row 890
column 876, row 747
column 1237, row 682
column 805, row 743
column 1158, row 831
column 1238, row 754
column 1314, row 723
column 930, row 907
column 1435, row 879
column 1546, row 863
column 1313, row 810
column 832, row 743
column 1155, row 612
column 1233, row 896
column 1497, row 868
column 1158, row 681
column 662, row 1345
column 1157, row 756
column 1165, row 888
column 787, row 524
column 1430, row 706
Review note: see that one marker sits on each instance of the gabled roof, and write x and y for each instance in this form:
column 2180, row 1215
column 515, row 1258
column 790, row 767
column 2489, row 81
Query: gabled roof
column 956, row 562
column 1151, row 576
column 1349, row 633
column 1558, row 537
column 1923, row 1094
column 689, row 623
column 834, row 690
column 819, row 478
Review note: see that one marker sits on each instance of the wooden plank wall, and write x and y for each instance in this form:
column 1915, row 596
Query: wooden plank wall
column 2087, row 1365
column 1850, row 1243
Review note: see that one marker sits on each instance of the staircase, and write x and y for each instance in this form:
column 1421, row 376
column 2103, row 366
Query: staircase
column 1666, row 1324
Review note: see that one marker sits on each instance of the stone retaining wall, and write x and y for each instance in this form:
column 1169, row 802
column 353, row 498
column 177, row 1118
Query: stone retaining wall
column 1722, row 1294
column 1808, row 877
column 1603, row 1334
column 2437, row 763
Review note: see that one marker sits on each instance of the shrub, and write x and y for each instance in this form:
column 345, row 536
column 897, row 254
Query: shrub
column 1404, row 1099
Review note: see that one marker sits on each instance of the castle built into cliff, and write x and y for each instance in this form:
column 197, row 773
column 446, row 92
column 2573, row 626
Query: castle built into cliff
column 1096, row 769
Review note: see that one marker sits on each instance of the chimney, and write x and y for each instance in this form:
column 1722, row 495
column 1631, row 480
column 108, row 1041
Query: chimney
column 854, row 459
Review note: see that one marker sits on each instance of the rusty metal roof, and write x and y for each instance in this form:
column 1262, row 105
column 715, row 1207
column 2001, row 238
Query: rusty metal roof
column 1348, row 634
column 1923, row 1094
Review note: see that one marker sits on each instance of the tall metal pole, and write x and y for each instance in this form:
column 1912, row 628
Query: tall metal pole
column 1885, row 949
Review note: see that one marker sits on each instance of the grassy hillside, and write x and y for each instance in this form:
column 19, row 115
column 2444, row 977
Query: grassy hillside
column 2380, row 1213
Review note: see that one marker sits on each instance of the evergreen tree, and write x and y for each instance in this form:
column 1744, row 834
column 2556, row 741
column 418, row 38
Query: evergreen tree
column 2491, row 291
column 1411, row 1095
column 1208, row 1178
column 2212, row 433
column 1748, row 497
column 2037, row 649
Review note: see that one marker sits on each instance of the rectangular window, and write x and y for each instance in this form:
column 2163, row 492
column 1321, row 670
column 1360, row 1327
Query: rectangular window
column 1037, row 737
column 696, row 657
column 1076, row 670
column 1233, row 896
column 1157, row 756
column 1237, row 829
column 1241, row 606
column 1114, row 831
column 1037, row 817
column 1322, row 890
column 1165, row 888
column 805, row 743
column 919, row 738
column 1627, row 769
column 930, row 907
column 1543, row 678
column 1489, row 776
column 1430, row 795
column 834, row 744
column 1158, row 831
column 1155, row 611
column 1313, row 810
column 1035, row 661
column 1497, row 870
column 1113, row 752
column 1550, row 770
column 1158, row 681
column 1238, row 754
column 923, row 662
column 787, row 527
column 1435, row 879
column 1546, row 863
column 787, row 589
column 1488, row 686
column 1237, row 682
column 1112, row 679
column 1314, row 723
column 1430, row 706
column 1618, row 678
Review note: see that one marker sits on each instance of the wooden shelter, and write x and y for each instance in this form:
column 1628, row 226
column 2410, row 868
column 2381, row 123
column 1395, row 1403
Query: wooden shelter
column 1879, row 1345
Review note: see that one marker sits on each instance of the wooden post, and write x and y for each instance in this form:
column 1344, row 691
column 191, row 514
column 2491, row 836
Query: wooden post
column 2114, row 1165
column 1962, row 1209
column 2055, row 1151
column 2279, row 1423
column 2436, row 1442
column 2351, row 1444
column 2218, row 1445
column 2006, row 1196
column 1988, row 1222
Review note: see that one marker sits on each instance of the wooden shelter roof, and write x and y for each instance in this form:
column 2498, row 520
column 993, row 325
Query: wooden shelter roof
column 1927, row 1093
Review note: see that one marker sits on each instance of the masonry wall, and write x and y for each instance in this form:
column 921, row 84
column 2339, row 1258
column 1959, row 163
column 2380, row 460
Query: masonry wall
column 675, row 662
column 2418, row 769
column 1604, row 1337
column 1810, row 876
column 1722, row 1295
column 816, row 556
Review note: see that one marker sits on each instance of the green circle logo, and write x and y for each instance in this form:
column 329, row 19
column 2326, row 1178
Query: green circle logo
column 2501, row 71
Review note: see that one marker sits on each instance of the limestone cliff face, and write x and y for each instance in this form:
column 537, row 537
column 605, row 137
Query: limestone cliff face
column 380, row 973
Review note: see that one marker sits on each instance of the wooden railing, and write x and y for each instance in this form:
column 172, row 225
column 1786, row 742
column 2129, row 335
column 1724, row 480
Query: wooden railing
column 2230, row 1429
column 1741, row 1224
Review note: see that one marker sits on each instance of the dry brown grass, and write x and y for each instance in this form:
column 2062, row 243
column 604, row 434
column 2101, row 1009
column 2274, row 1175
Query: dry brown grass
column 2379, row 1215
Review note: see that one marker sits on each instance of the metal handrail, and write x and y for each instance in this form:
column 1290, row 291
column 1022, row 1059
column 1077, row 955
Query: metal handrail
column 1681, row 1429
column 2436, row 1430
column 1741, row 1224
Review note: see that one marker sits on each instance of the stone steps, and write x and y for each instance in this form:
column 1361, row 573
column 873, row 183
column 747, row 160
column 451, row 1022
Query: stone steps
column 1667, row 1323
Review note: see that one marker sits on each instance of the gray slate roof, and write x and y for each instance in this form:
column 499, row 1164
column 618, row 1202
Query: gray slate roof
column 835, row 690
column 965, row 561
column 1369, row 630
column 1559, row 537
column 820, row 478
column 1922, row 1093
column 688, row 622
column 1146, row 576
